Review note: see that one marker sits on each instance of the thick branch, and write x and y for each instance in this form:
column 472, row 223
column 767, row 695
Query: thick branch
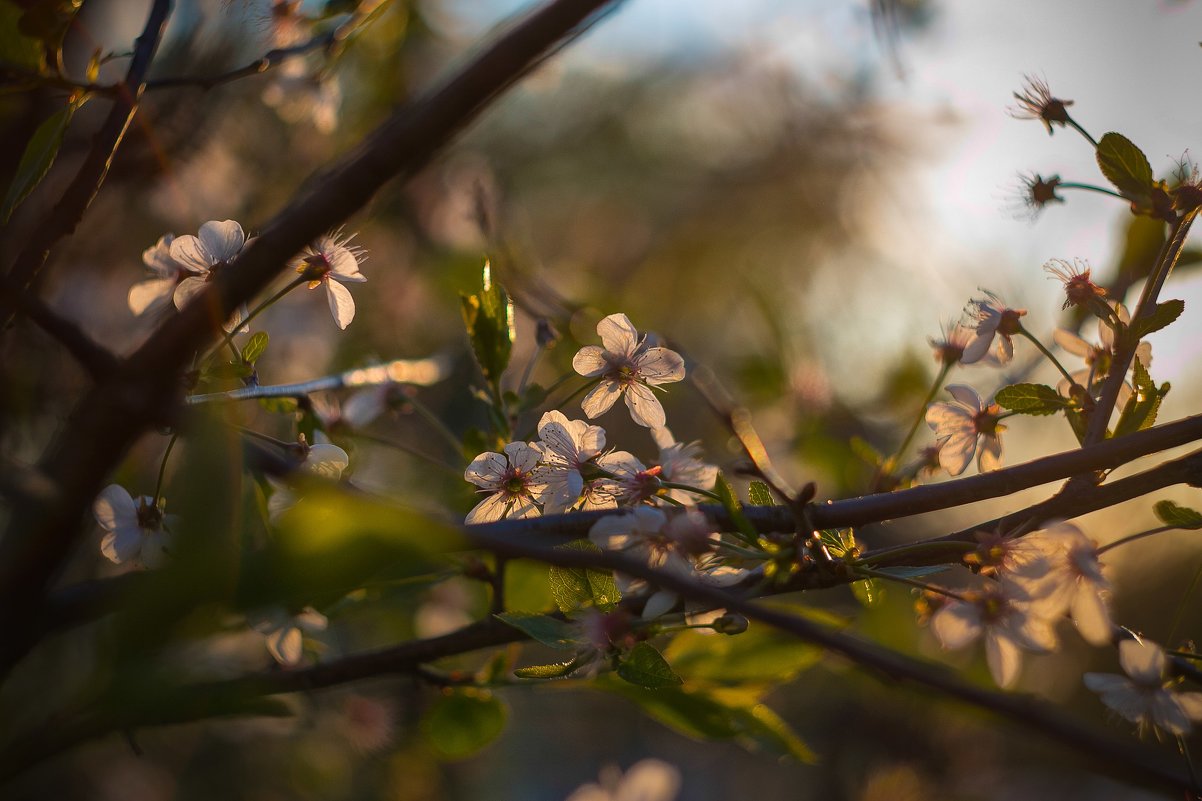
column 62, row 219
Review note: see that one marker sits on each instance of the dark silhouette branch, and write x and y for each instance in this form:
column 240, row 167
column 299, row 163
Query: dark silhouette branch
column 93, row 357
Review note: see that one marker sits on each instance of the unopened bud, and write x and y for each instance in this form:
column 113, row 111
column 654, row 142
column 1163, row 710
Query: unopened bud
column 545, row 333
column 730, row 623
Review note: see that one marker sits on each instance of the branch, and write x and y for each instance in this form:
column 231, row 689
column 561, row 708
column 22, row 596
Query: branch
column 415, row 372
column 272, row 58
column 63, row 218
column 108, row 420
column 97, row 360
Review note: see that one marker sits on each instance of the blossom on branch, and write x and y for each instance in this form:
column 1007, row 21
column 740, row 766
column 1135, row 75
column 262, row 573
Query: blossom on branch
column 627, row 367
column 964, row 428
column 333, row 261
column 566, row 446
column 134, row 529
column 155, row 294
column 681, row 463
column 1079, row 288
column 205, row 256
column 1099, row 358
column 995, row 321
column 1145, row 695
column 284, row 633
column 1035, row 102
column 949, row 348
column 513, row 481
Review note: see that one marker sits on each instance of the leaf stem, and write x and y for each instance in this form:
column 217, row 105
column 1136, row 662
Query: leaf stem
column 228, row 339
column 880, row 574
column 1134, row 537
column 1090, row 188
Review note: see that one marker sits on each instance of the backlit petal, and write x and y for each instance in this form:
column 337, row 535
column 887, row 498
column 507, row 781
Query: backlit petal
column 645, row 408
column 590, row 361
column 222, row 240
column 342, row 305
column 618, row 335
column 659, row 366
column 601, row 398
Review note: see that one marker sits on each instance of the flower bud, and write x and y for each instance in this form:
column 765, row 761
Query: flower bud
column 731, row 624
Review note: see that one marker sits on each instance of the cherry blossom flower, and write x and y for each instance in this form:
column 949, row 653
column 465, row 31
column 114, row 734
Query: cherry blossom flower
column 1079, row 289
column 333, row 261
column 134, row 530
column 1035, row 102
column 1034, row 193
column 1099, row 357
column 284, row 633
column 627, row 367
column 954, row 339
column 681, row 463
column 204, row 256
column 514, row 483
column 648, row 780
column 320, row 459
column 995, row 321
column 299, row 94
column 155, row 294
column 1003, row 615
column 566, row 445
column 1145, row 695
column 964, row 428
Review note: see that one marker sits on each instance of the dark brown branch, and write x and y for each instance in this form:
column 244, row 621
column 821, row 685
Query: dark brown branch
column 93, row 357
column 109, row 419
column 63, row 218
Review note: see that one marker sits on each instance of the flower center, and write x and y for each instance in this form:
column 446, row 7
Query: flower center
column 313, row 268
column 150, row 518
column 986, row 420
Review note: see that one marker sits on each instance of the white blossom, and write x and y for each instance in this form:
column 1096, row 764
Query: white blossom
column 1098, row 358
column 321, row 459
column 627, row 367
column 681, row 463
column 953, row 340
column 966, row 427
column 513, row 482
column 284, row 633
column 204, row 256
column 134, row 530
column 1145, row 695
column 332, row 261
column 1001, row 614
column 155, row 294
column 648, row 780
column 566, row 446
column 996, row 324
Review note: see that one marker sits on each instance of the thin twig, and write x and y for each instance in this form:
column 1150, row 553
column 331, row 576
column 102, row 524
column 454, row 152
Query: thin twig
column 414, row 372
column 93, row 357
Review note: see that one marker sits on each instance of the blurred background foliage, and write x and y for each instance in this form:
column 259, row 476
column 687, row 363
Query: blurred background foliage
column 728, row 198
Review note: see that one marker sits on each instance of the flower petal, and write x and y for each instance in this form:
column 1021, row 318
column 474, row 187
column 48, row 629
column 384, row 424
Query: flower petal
column 115, row 507
column 1071, row 342
column 222, row 240
column 989, row 455
column 487, row 470
column 590, row 361
column 189, row 288
column 342, row 305
column 956, row 452
column 660, row 603
column 488, row 510
column 618, row 335
column 286, row 645
column 158, row 258
column 1004, row 658
column 190, row 254
column 645, row 408
column 327, row 461
column 150, row 295
column 659, row 366
column 966, row 395
column 1090, row 614
column 956, row 624
column 601, row 398
column 1142, row 660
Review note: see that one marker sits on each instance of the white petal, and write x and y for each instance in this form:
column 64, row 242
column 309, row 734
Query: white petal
column 989, row 456
column 618, row 335
column 488, row 510
column 1005, row 350
column 663, row 438
column 956, row 624
column 286, row 645
column 1191, row 703
column 115, row 507
column 222, row 240
column 158, row 258
column 957, row 452
column 327, row 461
column 1071, row 342
column 590, row 361
column 1090, row 614
column 978, row 346
column 155, row 549
column 150, row 295
column 645, row 408
column 601, row 398
column 345, row 267
column 659, row 604
column 189, row 288
column 309, row 619
column 659, row 366
column 362, row 408
column 966, row 395
column 1142, row 660
column 342, row 305
column 649, row 780
column 947, row 419
column 522, row 457
column 122, row 544
column 1004, row 658
column 1168, row 714
column 486, row 470
column 190, row 253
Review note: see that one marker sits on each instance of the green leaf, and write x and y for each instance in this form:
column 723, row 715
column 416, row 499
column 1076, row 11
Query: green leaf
column 868, row 592
column 577, row 588
column 1161, row 317
column 558, row 670
column 704, row 717
column 553, row 633
column 39, row 154
column 730, row 502
column 16, row 47
column 254, row 347
column 840, row 542
column 646, row 667
column 1125, row 166
column 464, row 721
column 1035, row 399
column 759, row 494
column 1141, row 408
column 488, row 316
column 1177, row 516
column 757, row 656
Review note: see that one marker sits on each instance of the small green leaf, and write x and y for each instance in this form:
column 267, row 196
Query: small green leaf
column 278, row 405
column 39, row 154
column 1125, row 166
column 1035, row 399
column 1161, row 317
column 731, row 503
column 841, row 542
column 254, row 347
column 16, row 47
column 868, row 592
column 759, row 494
column 488, row 316
column 1177, row 516
column 760, row 654
column 553, row 633
column 558, row 670
column 464, row 721
column 577, row 588
column 646, row 667
column 1141, row 408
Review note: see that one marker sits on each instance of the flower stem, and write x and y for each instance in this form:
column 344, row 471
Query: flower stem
column 1090, row 188
column 158, row 487
column 870, row 573
column 922, row 413
column 1083, row 132
column 538, row 352
column 1047, row 354
column 695, row 490
column 228, row 339
column 1134, row 537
